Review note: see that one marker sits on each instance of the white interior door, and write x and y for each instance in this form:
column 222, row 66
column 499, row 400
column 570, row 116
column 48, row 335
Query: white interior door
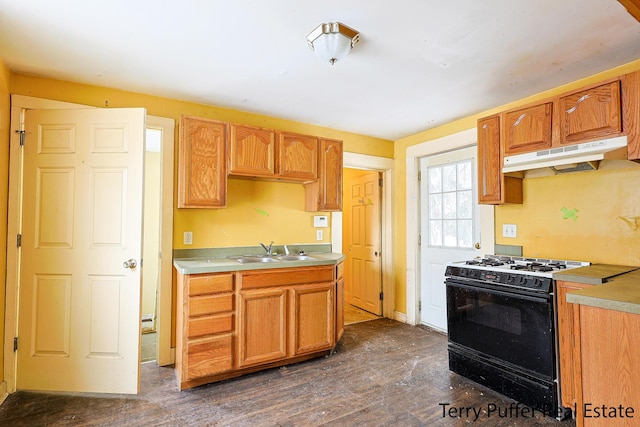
column 79, row 306
column 449, row 225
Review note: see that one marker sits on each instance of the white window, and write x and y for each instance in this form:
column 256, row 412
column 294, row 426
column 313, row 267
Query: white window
column 450, row 192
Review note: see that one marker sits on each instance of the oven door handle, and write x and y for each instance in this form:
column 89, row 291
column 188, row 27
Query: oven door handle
column 493, row 290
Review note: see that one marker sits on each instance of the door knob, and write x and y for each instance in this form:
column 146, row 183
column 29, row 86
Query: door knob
column 477, row 245
column 131, row 263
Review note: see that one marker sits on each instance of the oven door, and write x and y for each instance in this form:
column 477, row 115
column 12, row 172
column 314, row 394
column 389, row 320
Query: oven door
column 514, row 330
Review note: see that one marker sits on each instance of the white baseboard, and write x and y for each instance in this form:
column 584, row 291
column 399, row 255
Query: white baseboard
column 400, row 317
column 3, row 391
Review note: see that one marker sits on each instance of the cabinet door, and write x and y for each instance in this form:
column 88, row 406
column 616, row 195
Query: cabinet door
column 590, row 113
column 202, row 176
column 262, row 326
column 568, row 333
column 251, row 151
column 489, row 167
column 297, row 156
column 339, row 309
column 528, row 129
column 631, row 113
column 313, row 310
column 326, row 193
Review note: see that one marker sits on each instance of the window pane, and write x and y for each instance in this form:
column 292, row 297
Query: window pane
column 449, row 177
column 464, row 175
column 449, row 205
column 435, row 206
column 465, row 204
column 465, row 233
column 450, row 233
column 435, row 179
column 435, row 233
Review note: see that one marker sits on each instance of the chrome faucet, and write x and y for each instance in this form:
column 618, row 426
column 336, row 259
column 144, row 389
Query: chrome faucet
column 268, row 249
column 286, row 250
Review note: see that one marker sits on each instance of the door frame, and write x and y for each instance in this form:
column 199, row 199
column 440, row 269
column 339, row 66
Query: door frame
column 18, row 103
column 446, row 143
column 385, row 166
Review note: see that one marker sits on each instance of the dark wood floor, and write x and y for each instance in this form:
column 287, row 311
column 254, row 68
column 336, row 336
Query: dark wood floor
column 384, row 373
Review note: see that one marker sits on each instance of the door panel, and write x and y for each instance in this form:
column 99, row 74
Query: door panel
column 364, row 257
column 449, row 225
column 79, row 312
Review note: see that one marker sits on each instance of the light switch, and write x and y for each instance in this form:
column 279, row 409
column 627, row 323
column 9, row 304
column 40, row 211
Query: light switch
column 319, row 235
column 188, row 238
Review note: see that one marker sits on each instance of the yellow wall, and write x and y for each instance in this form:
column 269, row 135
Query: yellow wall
column 5, row 119
column 538, row 191
column 257, row 211
column 593, row 216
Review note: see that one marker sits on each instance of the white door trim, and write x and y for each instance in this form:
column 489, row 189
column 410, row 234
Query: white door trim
column 446, row 143
column 384, row 165
column 165, row 355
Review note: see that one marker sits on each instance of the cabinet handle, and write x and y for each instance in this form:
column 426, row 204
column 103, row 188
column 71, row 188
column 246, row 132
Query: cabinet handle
column 575, row 107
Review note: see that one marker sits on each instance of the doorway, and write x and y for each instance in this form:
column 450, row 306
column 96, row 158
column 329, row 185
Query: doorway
column 449, row 225
column 362, row 239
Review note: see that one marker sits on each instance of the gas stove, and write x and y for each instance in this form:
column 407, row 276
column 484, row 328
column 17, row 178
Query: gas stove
column 533, row 274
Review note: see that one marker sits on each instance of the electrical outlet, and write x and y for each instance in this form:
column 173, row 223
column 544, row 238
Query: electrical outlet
column 319, row 235
column 509, row 230
column 188, row 238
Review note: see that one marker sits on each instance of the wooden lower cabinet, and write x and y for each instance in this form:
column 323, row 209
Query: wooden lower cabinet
column 609, row 360
column 568, row 340
column 230, row 324
column 313, row 312
column 262, row 327
column 204, row 326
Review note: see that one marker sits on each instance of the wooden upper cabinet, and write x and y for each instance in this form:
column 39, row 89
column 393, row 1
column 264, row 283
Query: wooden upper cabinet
column 493, row 186
column 489, row 167
column 527, row 129
column 202, row 177
column 591, row 113
column 252, row 151
column 325, row 194
column 297, row 156
column 631, row 113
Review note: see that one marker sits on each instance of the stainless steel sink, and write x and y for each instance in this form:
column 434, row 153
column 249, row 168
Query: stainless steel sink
column 295, row 258
column 245, row 259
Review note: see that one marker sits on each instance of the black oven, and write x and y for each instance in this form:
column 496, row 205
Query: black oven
column 501, row 330
column 515, row 329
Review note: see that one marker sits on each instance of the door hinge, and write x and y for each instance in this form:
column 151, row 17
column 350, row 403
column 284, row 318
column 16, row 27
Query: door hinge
column 419, row 305
column 15, row 344
column 22, row 133
column 381, row 296
column 419, row 176
column 19, row 240
column 419, row 239
column 380, row 182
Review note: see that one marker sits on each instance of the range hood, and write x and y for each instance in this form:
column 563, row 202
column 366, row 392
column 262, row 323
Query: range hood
column 586, row 153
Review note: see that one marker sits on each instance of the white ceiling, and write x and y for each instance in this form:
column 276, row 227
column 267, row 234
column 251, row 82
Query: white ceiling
column 419, row 64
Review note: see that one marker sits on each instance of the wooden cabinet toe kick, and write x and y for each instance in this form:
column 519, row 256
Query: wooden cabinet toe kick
column 183, row 385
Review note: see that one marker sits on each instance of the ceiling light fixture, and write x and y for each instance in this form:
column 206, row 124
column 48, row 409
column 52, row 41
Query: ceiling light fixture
column 332, row 41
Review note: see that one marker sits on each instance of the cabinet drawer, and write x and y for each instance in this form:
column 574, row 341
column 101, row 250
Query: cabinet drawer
column 210, row 283
column 210, row 304
column 208, row 357
column 289, row 276
column 209, row 325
